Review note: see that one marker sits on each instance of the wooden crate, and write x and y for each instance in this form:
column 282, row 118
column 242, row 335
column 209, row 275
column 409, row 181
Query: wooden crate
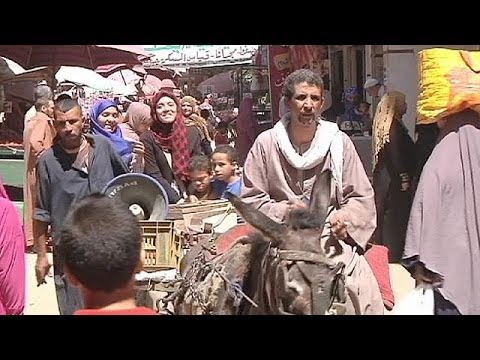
column 178, row 211
column 162, row 244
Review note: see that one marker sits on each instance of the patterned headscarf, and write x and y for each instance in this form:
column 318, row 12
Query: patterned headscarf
column 391, row 107
column 172, row 137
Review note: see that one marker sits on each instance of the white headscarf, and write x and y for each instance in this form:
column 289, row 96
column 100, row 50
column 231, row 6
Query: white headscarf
column 328, row 137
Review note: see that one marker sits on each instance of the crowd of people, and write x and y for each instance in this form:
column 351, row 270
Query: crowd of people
column 72, row 152
column 415, row 206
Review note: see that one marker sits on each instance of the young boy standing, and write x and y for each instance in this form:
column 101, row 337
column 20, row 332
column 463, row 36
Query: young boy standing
column 224, row 163
column 102, row 247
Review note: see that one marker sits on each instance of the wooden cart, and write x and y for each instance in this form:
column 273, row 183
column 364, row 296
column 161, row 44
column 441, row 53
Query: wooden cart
column 166, row 242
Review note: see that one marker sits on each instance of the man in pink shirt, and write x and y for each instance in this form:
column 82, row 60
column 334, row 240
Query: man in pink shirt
column 12, row 258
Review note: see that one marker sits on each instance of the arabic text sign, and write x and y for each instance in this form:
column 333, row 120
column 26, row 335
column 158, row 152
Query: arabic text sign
column 198, row 54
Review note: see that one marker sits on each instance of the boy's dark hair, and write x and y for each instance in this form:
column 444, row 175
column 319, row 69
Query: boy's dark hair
column 200, row 163
column 227, row 149
column 101, row 243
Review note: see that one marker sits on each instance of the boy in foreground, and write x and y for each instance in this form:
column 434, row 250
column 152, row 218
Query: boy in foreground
column 102, row 248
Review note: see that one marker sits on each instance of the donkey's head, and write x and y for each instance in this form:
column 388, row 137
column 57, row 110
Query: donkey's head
column 303, row 280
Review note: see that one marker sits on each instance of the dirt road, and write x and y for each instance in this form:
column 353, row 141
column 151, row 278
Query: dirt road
column 42, row 300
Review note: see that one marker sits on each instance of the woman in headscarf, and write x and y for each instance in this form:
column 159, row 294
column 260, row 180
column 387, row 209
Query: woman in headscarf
column 104, row 120
column 167, row 147
column 443, row 237
column 197, row 127
column 137, row 121
column 393, row 171
column 12, row 258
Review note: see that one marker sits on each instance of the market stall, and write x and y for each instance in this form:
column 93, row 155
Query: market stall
column 253, row 82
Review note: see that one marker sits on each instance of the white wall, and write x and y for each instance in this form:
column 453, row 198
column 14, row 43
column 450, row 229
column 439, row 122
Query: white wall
column 402, row 73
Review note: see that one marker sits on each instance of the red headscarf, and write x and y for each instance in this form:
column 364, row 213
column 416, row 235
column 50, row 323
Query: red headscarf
column 172, row 137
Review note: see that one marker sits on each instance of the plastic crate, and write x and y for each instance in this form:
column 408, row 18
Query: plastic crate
column 162, row 245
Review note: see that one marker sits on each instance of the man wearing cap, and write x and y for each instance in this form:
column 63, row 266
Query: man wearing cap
column 374, row 88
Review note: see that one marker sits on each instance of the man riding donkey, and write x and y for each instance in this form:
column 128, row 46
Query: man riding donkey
column 280, row 172
column 309, row 200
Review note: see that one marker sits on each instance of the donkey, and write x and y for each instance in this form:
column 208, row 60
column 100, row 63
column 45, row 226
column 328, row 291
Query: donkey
column 288, row 271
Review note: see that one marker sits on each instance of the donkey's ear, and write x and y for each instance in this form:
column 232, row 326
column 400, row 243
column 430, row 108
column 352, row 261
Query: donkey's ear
column 321, row 197
column 257, row 219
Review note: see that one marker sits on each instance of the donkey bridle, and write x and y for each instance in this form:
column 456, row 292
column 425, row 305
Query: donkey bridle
column 324, row 292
